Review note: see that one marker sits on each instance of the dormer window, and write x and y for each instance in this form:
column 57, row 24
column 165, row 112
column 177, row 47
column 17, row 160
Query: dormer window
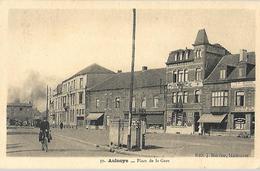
column 240, row 72
column 187, row 55
column 223, row 74
column 176, row 56
column 181, row 56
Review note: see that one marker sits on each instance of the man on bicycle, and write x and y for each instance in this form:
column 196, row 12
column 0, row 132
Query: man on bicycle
column 44, row 125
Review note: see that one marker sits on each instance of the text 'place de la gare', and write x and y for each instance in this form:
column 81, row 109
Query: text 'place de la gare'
column 205, row 88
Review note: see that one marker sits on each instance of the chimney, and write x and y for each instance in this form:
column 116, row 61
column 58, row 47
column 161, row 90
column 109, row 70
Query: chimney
column 119, row 71
column 144, row 68
column 243, row 55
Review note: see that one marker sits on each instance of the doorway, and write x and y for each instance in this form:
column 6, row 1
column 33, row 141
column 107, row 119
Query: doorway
column 196, row 123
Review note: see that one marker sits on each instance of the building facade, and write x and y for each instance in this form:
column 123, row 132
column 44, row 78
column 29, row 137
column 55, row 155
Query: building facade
column 110, row 99
column 17, row 113
column 68, row 98
column 186, row 71
column 229, row 96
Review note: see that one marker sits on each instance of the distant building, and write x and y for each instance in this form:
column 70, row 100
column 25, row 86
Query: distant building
column 67, row 102
column 17, row 113
column 110, row 99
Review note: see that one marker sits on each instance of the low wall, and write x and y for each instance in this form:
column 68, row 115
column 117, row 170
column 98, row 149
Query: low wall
column 179, row 130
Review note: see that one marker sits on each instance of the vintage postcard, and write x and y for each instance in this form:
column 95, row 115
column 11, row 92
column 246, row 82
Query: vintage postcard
column 116, row 84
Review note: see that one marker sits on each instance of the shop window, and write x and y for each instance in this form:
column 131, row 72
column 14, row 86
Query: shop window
column 240, row 98
column 239, row 121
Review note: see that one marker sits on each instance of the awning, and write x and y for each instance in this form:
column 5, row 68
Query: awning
column 210, row 118
column 94, row 116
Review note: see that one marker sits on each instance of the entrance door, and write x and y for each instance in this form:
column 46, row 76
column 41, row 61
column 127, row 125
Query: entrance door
column 196, row 123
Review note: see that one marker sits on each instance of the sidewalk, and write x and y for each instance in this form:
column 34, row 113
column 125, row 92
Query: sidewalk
column 169, row 145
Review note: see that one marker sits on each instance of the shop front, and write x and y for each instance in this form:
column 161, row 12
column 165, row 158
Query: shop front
column 95, row 121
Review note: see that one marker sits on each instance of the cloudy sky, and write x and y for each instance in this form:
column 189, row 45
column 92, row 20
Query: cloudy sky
column 51, row 45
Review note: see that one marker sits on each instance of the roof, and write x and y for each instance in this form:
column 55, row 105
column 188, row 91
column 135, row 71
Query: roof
column 232, row 64
column 19, row 105
column 210, row 118
column 201, row 38
column 171, row 58
column 147, row 78
column 92, row 69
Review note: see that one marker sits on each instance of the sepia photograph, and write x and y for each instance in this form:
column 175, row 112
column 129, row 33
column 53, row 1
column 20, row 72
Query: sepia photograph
column 131, row 85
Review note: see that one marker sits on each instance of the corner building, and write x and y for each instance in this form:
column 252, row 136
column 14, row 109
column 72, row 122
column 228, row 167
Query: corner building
column 186, row 70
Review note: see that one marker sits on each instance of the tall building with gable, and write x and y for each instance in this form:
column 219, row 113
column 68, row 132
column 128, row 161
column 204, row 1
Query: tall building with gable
column 186, row 71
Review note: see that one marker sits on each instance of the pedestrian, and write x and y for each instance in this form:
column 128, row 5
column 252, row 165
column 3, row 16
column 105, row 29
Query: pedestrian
column 200, row 130
column 61, row 125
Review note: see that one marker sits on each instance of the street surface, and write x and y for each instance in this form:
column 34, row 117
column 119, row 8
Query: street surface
column 82, row 142
column 24, row 142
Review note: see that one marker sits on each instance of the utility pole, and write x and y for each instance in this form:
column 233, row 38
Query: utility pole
column 131, row 83
column 47, row 103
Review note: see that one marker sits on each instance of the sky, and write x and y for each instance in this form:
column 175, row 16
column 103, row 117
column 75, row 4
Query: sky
column 49, row 45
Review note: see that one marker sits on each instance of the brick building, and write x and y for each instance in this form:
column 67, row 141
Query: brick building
column 110, row 99
column 186, row 71
column 68, row 98
column 229, row 96
column 19, row 112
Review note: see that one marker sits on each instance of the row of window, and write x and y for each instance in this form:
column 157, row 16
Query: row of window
column 61, row 102
column 223, row 73
column 182, row 75
column 181, row 55
column 220, row 98
column 71, row 85
column 182, row 97
column 118, row 102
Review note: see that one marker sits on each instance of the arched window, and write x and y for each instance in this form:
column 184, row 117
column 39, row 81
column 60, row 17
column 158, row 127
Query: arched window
column 197, row 53
column 197, row 96
column 143, row 102
column 117, row 102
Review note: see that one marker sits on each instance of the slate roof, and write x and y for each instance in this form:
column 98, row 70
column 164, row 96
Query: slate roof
column 171, row 57
column 201, row 38
column 147, row 78
column 232, row 64
column 92, row 69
